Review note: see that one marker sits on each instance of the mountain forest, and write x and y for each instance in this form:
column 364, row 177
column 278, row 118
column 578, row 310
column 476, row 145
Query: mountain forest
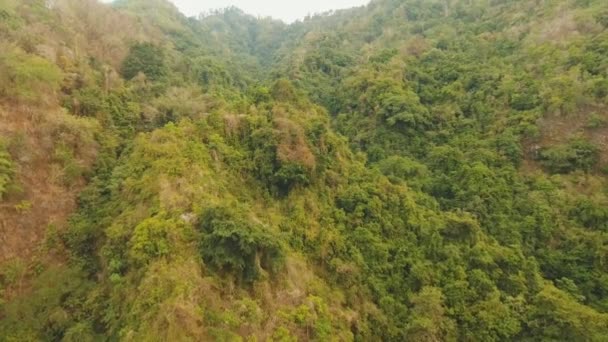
column 409, row 170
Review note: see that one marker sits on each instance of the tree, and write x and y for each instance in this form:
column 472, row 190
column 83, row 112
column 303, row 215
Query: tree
column 231, row 243
column 145, row 58
column 151, row 239
column 283, row 90
column 429, row 321
column 558, row 316
column 578, row 154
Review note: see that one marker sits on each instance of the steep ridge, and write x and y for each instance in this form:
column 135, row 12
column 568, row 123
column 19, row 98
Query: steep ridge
column 408, row 170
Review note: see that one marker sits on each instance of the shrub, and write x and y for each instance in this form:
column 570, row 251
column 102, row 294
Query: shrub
column 260, row 94
column 283, row 90
column 289, row 176
column 415, row 173
column 596, row 121
column 231, row 243
column 86, row 102
column 50, row 309
column 578, row 154
column 602, row 18
column 27, row 78
column 146, row 58
column 509, row 146
column 590, row 214
column 71, row 168
column 211, row 73
column 403, row 107
column 525, row 96
column 151, row 239
column 7, row 171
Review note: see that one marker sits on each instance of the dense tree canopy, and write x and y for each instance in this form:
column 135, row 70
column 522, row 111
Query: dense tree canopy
column 408, row 170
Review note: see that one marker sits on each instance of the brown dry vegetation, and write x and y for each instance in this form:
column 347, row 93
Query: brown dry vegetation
column 36, row 128
column 45, row 198
column 293, row 146
column 94, row 30
column 558, row 129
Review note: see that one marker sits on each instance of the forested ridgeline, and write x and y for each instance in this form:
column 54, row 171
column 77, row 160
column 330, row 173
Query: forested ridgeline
column 411, row 170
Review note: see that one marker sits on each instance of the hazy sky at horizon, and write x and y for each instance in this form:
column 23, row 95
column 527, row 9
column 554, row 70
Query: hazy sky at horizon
column 286, row 10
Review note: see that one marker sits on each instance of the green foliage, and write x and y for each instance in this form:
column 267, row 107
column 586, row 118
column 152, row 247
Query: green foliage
column 596, row 121
column 8, row 6
column 12, row 272
column 56, row 302
column 151, row 239
column 313, row 317
column 290, row 175
column 7, row 170
column 211, row 74
column 7, row 14
column 578, row 154
column 145, row 58
column 509, row 146
column 283, row 90
column 525, row 96
column 557, row 316
column 430, row 323
column 591, row 214
column 27, row 78
column 71, row 169
column 260, row 94
column 414, row 173
column 234, row 244
column 86, row 102
column 602, row 18
column 223, row 205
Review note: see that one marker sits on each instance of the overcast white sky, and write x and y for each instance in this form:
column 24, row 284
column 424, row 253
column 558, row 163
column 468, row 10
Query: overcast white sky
column 287, row 10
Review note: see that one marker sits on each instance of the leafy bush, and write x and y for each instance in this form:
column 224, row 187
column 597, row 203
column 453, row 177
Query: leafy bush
column 558, row 316
column 7, row 170
column 52, row 308
column 524, row 96
column 596, row 121
column 234, row 244
column 403, row 107
column 86, row 102
column 260, row 94
column 210, row 73
column 283, row 90
column 430, row 322
column 509, row 146
column 71, row 168
column 578, row 154
column 407, row 169
column 590, row 214
column 151, row 239
column 281, row 161
column 26, row 77
column 146, row 58
column 289, row 175
column 602, row 18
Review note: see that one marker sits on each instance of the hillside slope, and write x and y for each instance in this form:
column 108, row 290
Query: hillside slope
column 409, row 170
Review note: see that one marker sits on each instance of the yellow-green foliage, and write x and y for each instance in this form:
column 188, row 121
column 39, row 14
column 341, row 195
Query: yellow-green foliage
column 7, row 170
column 560, row 316
column 8, row 5
column 152, row 239
column 25, row 77
column 7, row 12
